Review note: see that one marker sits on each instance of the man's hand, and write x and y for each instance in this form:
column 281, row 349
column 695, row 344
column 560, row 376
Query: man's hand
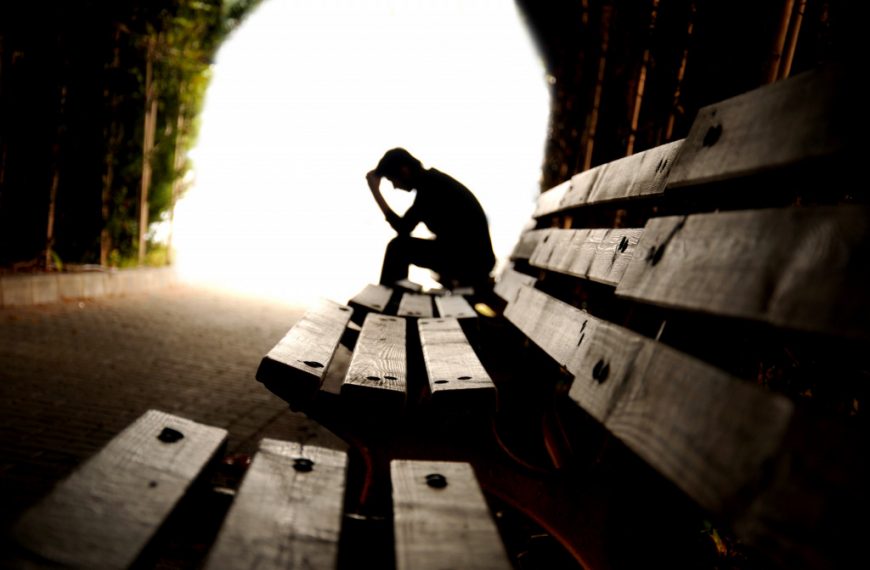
column 374, row 181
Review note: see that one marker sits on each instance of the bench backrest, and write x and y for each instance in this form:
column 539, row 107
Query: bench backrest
column 693, row 291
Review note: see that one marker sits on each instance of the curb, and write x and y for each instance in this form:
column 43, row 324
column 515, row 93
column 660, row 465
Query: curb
column 39, row 289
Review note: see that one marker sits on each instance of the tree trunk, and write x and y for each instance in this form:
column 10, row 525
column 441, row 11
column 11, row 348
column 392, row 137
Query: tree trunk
column 641, row 81
column 147, row 145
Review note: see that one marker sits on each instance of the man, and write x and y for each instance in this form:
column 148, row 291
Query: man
column 461, row 253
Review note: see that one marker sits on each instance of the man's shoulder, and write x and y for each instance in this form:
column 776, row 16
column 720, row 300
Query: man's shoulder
column 436, row 178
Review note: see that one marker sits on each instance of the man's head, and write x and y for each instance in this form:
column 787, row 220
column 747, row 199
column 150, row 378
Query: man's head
column 399, row 167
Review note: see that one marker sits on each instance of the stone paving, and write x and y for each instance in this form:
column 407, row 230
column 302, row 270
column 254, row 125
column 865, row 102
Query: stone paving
column 74, row 374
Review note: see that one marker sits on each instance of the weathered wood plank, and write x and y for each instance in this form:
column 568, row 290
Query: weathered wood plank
column 600, row 255
column 295, row 367
column 527, row 243
column 454, row 306
column 378, row 369
column 509, row 283
column 706, row 431
column 455, row 373
column 288, row 511
column 550, row 202
column 636, row 176
column 771, row 127
column 415, row 305
column 803, row 268
column 556, row 327
column 106, row 511
column 372, row 298
column 441, row 518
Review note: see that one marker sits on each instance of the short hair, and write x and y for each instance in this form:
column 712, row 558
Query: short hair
column 394, row 159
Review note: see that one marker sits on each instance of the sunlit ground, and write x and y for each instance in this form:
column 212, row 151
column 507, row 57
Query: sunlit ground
column 305, row 99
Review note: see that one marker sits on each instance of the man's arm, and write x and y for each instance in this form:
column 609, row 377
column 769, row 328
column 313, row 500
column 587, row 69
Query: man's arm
column 374, row 182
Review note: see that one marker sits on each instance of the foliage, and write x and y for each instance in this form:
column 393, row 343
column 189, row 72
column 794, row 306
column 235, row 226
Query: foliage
column 73, row 80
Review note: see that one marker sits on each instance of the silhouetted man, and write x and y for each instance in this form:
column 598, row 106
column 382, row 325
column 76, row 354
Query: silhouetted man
column 461, row 253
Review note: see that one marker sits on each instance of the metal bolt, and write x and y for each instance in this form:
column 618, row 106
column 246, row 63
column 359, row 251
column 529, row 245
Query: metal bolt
column 713, row 135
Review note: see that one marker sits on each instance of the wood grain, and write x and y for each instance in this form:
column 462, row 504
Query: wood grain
column 454, row 306
column 378, row 369
column 454, row 371
column 706, row 431
column 415, row 305
column 527, row 243
column 556, row 327
column 636, row 176
column 550, row 202
column 438, row 527
column 287, row 513
column 600, row 255
column 104, row 513
column 294, row 369
column 510, row 281
column 372, row 298
column 771, row 127
column 803, row 268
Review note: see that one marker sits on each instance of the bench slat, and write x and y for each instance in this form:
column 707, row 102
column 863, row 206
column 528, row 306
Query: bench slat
column 556, row 327
column 803, row 268
column 415, row 305
column 442, row 526
column 454, row 306
column 378, row 368
column 107, row 510
column 453, row 368
column 600, row 255
column 527, row 243
column 708, row 432
column 287, row 513
column 509, row 283
column 372, row 298
column 636, row 176
column 703, row 429
column 295, row 367
column 550, row 202
column 771, row 127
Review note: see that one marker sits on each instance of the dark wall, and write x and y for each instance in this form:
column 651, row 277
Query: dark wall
column 690, row 53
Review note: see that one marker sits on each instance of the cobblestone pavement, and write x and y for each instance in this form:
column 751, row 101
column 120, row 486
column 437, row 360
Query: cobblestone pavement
column 74, row 374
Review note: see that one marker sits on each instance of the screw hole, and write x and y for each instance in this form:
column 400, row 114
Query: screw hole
column 440, row 381
column 600, row 371
column 343, row 309
column 714, row 133
column 169, row 435
column 313, row 364
column 390, row 378
column 464, row 378
column 436, row 480
column 623, row 244
column 303, row 464
column 373, row 378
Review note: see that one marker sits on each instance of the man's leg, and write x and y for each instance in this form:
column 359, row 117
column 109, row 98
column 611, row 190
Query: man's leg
column 402, row 251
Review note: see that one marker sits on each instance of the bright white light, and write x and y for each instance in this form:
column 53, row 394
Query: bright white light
column 305, row 99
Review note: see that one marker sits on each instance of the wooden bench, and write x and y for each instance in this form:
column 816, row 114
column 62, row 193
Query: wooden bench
column 687, row 321
column 708, row 302
column 290, row 511
column 677, row 378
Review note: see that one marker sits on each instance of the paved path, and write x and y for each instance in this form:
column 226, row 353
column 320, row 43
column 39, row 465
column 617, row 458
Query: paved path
column 73, row 374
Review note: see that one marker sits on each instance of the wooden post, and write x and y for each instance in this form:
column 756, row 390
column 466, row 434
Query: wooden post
column 681, row 73
column 641, row 81
column 797, row 20
column 147, row 144
column 779, row 41
column 599, row 87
